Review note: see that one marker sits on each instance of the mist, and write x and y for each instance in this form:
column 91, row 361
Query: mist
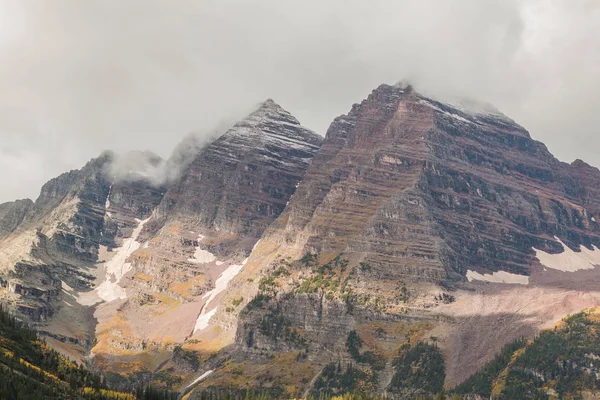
column 149, row 167
column 79, row 77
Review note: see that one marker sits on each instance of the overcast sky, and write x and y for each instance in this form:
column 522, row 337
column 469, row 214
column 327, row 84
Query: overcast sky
column 81, row 76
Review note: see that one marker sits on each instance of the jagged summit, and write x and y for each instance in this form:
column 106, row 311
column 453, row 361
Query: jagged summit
column 401, row 165
column 460, row 108
column 268, row 124
column 269, row 103
column 268, row 141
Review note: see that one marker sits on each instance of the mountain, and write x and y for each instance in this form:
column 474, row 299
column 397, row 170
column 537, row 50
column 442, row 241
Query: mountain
column 397, row 256
column 32, row 370
column 198, row 237
column 51, row 255
column 116, row 262
column 417, row 219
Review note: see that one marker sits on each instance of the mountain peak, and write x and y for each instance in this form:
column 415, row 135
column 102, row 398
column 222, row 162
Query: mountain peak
column 269, row 109
column 270, row 122
column 269, row 103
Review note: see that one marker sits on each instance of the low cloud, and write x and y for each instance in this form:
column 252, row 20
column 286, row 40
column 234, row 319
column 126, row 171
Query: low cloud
column 150, row 167
column 81, row 76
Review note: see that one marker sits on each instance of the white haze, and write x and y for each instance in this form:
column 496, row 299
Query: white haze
column 78, row 77
column 150, row 167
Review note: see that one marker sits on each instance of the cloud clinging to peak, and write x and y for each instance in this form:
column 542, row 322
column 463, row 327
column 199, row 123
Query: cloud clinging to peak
column 78, row 77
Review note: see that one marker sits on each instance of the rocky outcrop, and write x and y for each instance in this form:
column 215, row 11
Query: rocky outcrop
column 242, row 181
column 50, row 251
column 12, row 214
column 414, row 192
column 196, row 238
column 423, row 189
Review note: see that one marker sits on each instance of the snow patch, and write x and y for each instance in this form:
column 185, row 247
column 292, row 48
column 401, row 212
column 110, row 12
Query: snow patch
column 115, row 269
column 498, row 277
column 110, row 290
column 107, row 202
column 446, row 113
column 203, row 320
column 204, row 375
column 202, row 256
column 68, row 290
column 569, row 260
column 220, row 285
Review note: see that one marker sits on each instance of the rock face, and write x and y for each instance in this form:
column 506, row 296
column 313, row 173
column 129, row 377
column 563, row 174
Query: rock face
column 416, row 195
column 12, row 214
column 50, row 248
column 301, row 252
column 423, row 189
column 206, row 224
column 53, row 237
column 242, row 181
column 137, row 245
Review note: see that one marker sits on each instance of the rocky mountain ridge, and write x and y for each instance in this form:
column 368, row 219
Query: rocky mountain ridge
column 414, row 221
column 109, row 262
column 409, row 207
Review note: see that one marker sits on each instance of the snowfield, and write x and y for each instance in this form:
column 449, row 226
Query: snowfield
column 220, row 285
column 569, row 260
column 498, row 277
column 115, row 269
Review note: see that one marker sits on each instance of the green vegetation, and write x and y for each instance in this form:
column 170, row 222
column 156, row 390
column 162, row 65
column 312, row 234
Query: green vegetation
column 419, row 369
column 335, row 379
column 481, row 382
column 277, row 327
column 268, row 288
column 237, row 302
column 190, row 358
column 354, row 344
column 308, row 259
column 30, row 369
column 166, row 379
column 257, row 302
column 364, row 267
column 331, row 279
column 563, row 362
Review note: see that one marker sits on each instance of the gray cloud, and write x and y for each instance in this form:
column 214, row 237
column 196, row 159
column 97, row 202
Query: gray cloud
column 148, row 166
column 78, row 77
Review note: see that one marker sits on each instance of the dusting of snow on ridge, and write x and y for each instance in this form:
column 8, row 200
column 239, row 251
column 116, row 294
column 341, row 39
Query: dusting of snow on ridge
column 449, row 114
column 569, row 260
column 498, row 277
column 270, row 126
column 220, row 285
column 465, row 110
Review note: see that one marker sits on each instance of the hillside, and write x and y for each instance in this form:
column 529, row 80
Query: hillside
column 32, row 370
column 416, row 219
column 560, row 363
column 397, row 256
